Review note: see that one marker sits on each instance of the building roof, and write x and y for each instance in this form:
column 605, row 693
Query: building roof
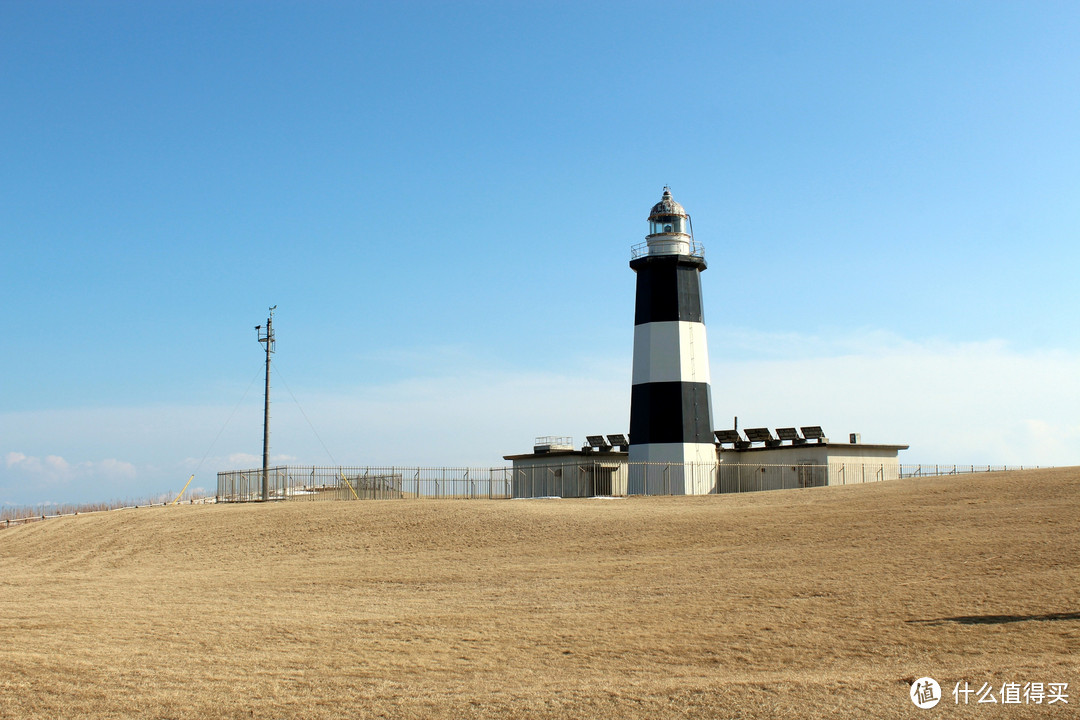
column 591, row 454
column 666, row 207
column 810, row 445
column 619, row 455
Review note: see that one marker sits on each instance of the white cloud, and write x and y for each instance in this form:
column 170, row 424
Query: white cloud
column 51, row 469
column 242, row 460
column 54, row 470
column 953, row 402
column 58, row 465
column 113, row 468
column 13, row 458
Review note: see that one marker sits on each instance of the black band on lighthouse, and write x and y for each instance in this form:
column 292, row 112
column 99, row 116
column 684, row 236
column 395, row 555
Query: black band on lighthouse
column 670, row 412
column 667, row 290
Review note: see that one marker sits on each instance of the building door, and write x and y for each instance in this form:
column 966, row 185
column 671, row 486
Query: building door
column 810, row 475
column 602, row 480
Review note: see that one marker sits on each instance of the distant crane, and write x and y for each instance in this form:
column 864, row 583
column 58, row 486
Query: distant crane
column 266, row 337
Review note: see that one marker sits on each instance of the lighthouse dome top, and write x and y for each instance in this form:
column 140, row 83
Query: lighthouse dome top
column 670, row 232
column 667, row 207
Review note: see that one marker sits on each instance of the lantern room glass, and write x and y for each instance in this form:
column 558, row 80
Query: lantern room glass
column 668, row 224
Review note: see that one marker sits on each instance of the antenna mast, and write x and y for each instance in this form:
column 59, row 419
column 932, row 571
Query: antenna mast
column 267, row 338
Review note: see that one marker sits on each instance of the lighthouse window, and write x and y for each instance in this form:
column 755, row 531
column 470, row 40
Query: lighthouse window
column 668, row 225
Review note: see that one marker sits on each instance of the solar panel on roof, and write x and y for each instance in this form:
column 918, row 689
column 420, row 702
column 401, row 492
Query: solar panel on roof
column 619, row 440
column 813, row 432
column 758, row 434
column 597, row 441
column 788, row 434
column 727, row 436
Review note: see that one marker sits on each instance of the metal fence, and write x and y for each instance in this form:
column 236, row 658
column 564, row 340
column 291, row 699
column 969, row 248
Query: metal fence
column 584, row 478
column 747, row 477
column 553, row 479
column 21, row 518
column 573, row 479
column 363, row 483
column 928, row 470
column 579, row 479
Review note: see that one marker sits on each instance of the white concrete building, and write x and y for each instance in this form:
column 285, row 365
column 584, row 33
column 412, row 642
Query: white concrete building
column 555, row 469
column 804, row 463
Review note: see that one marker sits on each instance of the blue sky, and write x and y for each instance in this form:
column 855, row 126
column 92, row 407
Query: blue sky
column 441, row 198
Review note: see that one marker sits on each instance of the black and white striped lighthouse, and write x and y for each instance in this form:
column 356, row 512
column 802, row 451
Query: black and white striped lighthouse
column 670, row 401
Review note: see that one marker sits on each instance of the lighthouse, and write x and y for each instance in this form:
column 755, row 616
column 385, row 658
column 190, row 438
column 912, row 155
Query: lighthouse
column 671, row 438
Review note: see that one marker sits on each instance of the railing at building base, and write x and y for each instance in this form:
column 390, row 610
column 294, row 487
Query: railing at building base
column 566, row 480
column 363, row 483
column 929, row 470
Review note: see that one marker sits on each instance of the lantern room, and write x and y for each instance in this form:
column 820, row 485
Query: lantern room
column 670, row 231
column 668, row 217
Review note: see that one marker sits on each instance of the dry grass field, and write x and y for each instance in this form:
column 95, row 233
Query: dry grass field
column 824, row 602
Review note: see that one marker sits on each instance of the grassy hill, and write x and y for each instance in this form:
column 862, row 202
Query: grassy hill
column 801, row 603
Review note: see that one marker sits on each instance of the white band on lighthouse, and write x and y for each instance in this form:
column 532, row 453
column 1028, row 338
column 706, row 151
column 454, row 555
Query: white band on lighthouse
column 654, row 360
